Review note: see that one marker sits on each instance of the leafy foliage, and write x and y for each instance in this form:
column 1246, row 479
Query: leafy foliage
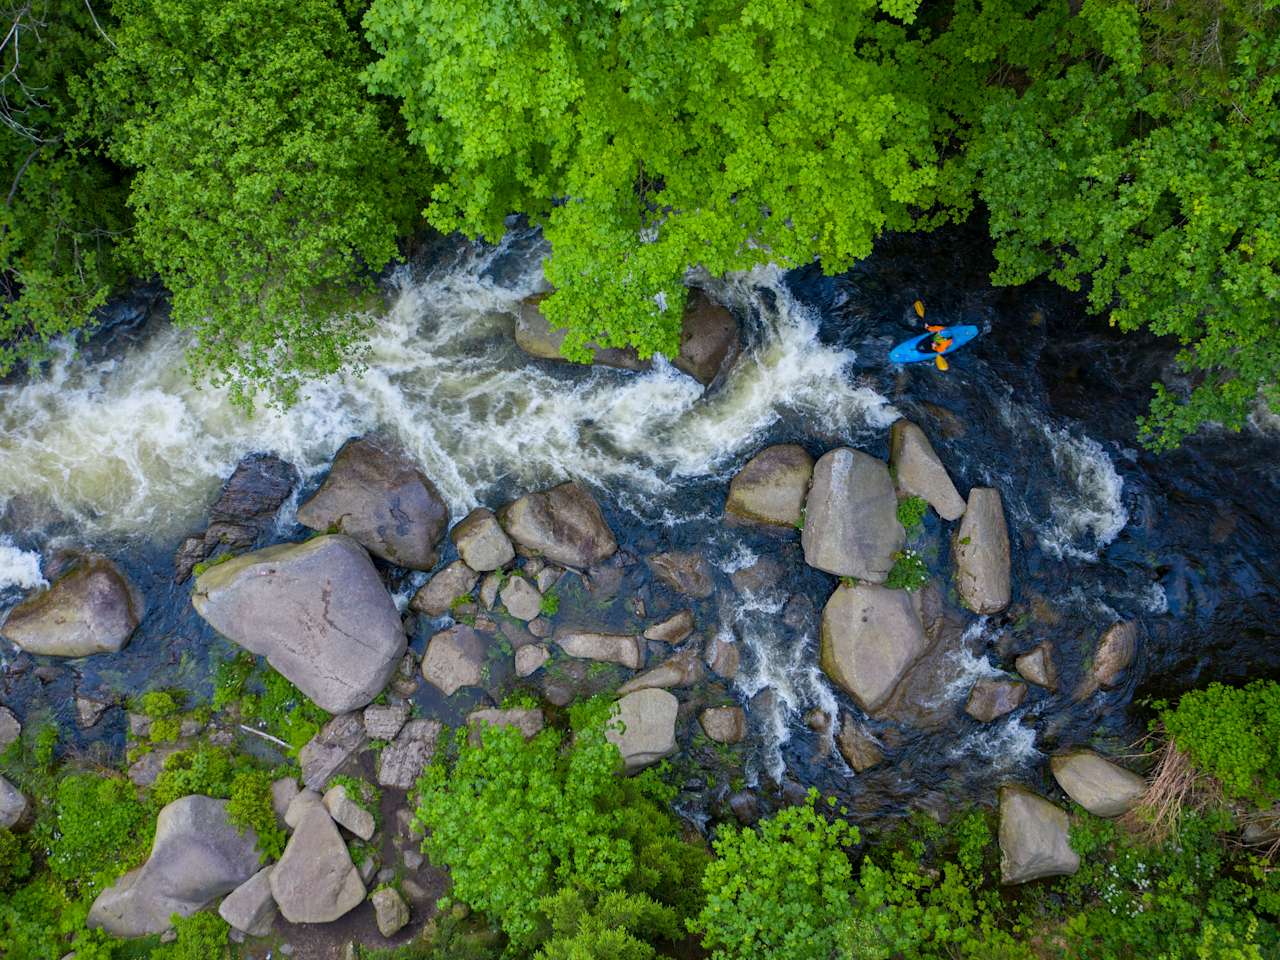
column 911, row 511
column 909, row 571
column 264, row 695
column 100, row 830
column 202, row 936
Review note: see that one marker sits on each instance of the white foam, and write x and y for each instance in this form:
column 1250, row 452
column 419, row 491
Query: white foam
column 19, row 568
column 1003, row 745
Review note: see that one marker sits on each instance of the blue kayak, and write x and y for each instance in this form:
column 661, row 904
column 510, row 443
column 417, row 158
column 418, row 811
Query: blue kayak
column 919, row 349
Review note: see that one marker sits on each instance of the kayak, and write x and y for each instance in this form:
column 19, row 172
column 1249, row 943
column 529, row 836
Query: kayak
column 919, row 349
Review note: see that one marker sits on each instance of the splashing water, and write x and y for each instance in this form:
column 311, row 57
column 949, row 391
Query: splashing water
column 19, row 568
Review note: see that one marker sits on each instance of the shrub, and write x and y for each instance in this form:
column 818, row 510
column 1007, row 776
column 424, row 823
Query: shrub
column 15, row 859
column 911, row 512
column 909, row 571
column 100, row 830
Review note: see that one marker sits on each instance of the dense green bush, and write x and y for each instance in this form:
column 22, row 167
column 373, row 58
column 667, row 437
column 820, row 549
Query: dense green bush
column 99, row 830
column 264, row 695
column 909, row 571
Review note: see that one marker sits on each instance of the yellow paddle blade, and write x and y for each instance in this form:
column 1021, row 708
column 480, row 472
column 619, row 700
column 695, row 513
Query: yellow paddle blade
column 919, row 309
column 941, row 363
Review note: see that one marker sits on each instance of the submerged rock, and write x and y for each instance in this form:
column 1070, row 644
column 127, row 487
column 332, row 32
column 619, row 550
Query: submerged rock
column 315, row 880
column 772, row 486
column 920, row 473
column 89, row 712
column 724, row 724
column 1033, row 838
column 625, row 649
column 673, row 629
column 994, row 698
column 1100, row 786
column 983, row 577
column 316, row 610
column 870, row 635
column 851, row 526
column 648, row 734
column 708, row 338
column 858, row 748
column 536, row 337
column 437, row 594
column 683, row 669
column 1036, row 666
column 563, row 524
column 250, row 908
column 91, row 609
column 197, row 856
column 1115, row 653
column 684, row 572
column 455, row 658
column 481, row 542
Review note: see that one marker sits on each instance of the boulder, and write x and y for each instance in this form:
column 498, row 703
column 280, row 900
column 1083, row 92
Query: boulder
column 316, row 610
column 851, row 526
column 401, row 762
column 299, row 804
column 673, row 629
column 563, row 524
column 328, row 751
column 489, row 587
column 437, row 594
column 548, row 577
column 197, row 856
column 250, row 908
column 89, row 712
column 610, row 647
column 91, row 609
column 481, row 543
column 1100, row 786
column 724, row 724
column 536, row 337
column 772, row 486
column 1115, row 653
column 530, row 658
column 858, row 747
column 708, row 338
column 283, row 792
column 683, row 669
column 1033, row 838
column 13, row 805
column 994, row 698
column 245, row 510
column 347, row 813
column 684, row 572
column 722, row 656
column 528, row 721
column 390, row 910
column 919, row 472
column 383, row 721
column 763, row 576
column 870, row 636
column 378, row 496
column 982, row 554
column 315, row 880
column 1036, row 666
column 455, row 658
column 521, row 598
column 10, row 728
column 647, row 731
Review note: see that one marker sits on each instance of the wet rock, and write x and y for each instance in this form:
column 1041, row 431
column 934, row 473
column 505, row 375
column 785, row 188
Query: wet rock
column 745, row 807
column 547, row 578
column 994, row 698
column 541, row 627
column 283, row 792
column 245, row 509
column 648, row 731
column 10, row 728
column 481, row 543
column 799, row 614
column 1115, row 653
column 684, row 572
column 762, row 576
column 91, row 609
column 521, row 598
column 610, row 647
column 89, row 712
column 851, row 526
column 1036, row 666
column 870, row 635
column 982, row 554
column 377, row 495
column 402, row 761
column 489, row 588
column 1033, row 838
column 673, row 629
column 528, row 721
column 819, row 721
column 858, row 747
column 529, row 659
column 299, row 804
column 346, row 812
column 563, row 524
column 536, row 337
column 390, row 910
column 315, row 880
column 724, row 724
column 383, row 721
column 197, row 856
column 455, row 658
column 437, row 594
column 144, row 771
column 772, row 486
column 250, row 908
column 316, row 610
column 328, row 751
column 13, row 805
column 919, row 471
column 1100, row 786
column 722, row 656
column 683, row 669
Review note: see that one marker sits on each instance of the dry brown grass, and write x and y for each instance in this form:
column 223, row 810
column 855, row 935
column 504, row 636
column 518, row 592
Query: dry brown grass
column 1176, row 789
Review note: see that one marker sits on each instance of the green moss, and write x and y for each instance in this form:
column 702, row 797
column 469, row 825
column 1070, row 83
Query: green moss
column 204, row 565
column 550, row 603
column 909, row 571
column 911, row 511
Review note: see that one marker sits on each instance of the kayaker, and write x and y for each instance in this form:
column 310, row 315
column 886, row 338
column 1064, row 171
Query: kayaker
column 939, row 343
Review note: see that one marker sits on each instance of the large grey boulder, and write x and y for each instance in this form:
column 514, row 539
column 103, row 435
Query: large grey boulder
column 1100, row 786
column 536, row 337
column 1115, row 653
column 1033, row 838
column 989, row 699
column 563, row 524
column 325, row 754
column 870, row 636
column 13, row 805
column 378, row 496
column 851, row 526
column 920, row 473
column 315, row 880
column 708, row 338
column 402, row 761
column 437, row 594
column 684, row 669
column 625, row 649
column 196, row 857
column 384, row 721
column 316, row 610
column 983, row 577
column 455, row 658
column 1037, row 666
column 772, row 486
column 91, row 609
column 250, row 908
column 685, row 572
column 481, row 542
column 645, row 729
